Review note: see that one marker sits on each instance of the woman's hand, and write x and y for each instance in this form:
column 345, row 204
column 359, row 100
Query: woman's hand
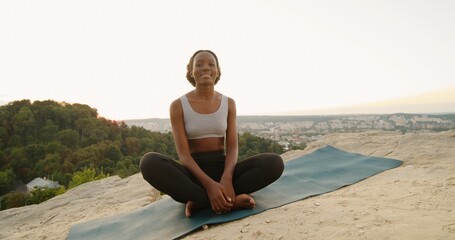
column 227, row 184
column 219, row 200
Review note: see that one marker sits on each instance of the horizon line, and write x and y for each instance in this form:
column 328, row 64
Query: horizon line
column 313, row 115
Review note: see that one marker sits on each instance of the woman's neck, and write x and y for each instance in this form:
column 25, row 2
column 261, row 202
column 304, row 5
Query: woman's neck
column 205, row 92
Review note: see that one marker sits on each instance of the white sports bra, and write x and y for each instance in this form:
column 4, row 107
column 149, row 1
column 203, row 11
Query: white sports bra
column 199, row 125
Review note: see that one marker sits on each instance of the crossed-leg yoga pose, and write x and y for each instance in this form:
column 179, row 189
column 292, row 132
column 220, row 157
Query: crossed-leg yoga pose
column 205, row 134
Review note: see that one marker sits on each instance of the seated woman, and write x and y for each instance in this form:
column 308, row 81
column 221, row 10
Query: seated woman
column 205, row 134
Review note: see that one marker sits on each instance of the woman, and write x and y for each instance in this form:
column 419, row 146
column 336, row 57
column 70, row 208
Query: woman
column 205, row 134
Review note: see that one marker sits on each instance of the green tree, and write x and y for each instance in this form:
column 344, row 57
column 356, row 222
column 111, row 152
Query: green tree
column 48, row 131
column 107, row 165
column 24, row 125
column 69, row 138
column 34, row 152
column 13, row 199
column 44, row 111
column 55, row 147
column 87, row 175
column 62, row 116
column 61, row 177
column 21, row 166
column 133, row 146
column 45, row 167
column 83, row 127
column 14, row 141
column 126, row 167
column 3, row 160
column 300, row 146
column 250, row 145
column 4, row 136
column 113, row 153
column 42, row 194
column 6, row 181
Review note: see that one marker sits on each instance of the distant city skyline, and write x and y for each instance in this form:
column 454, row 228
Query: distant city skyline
column 294, row 130
column 128, row 59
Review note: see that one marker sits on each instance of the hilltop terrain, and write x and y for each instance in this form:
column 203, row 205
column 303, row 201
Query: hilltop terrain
column 413, row 201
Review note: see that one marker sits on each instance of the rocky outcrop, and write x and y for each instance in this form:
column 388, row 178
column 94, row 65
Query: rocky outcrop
column 413, row 201
column 52, row 219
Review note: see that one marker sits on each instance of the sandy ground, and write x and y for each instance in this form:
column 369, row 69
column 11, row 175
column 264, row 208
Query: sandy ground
column 53, row 219
column 413, row 201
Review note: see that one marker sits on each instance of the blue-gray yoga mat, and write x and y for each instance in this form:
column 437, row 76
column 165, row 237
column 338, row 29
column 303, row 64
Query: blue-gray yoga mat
column 321, row 171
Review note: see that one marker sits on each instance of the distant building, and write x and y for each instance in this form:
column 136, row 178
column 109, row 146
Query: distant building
column 399, row 121
column 41, row 183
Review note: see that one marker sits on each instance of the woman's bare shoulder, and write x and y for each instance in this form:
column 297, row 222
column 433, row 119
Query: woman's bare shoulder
column 231, row 102
column 176, row 102
column 175, row 108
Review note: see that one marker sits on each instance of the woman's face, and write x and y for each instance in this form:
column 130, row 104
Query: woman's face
column 205, row 69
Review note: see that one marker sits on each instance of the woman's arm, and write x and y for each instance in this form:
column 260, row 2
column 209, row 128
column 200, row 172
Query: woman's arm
column 181, row 142
column 215, row 191
column 232, row 149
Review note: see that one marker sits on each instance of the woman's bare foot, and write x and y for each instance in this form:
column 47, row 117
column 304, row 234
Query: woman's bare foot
column 244, row 201
column 191, row 207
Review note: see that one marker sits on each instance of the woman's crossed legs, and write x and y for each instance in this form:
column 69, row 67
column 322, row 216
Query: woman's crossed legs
column 170, row 177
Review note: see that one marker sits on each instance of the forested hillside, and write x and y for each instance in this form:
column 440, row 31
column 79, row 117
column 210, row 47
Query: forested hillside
column 54, row 140
column 58, row 140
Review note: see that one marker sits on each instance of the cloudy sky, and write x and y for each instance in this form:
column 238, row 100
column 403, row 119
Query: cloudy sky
column 128, row 58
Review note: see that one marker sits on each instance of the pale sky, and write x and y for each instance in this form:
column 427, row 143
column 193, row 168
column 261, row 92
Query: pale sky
column 128, row 58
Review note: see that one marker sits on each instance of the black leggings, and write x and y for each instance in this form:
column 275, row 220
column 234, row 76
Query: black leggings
column 172, row 178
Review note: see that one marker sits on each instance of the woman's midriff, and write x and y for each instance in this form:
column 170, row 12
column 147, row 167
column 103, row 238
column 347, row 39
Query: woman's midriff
column 206, row 144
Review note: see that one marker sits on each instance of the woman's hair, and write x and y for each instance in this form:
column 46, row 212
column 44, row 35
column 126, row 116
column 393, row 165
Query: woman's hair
column 189, row 67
